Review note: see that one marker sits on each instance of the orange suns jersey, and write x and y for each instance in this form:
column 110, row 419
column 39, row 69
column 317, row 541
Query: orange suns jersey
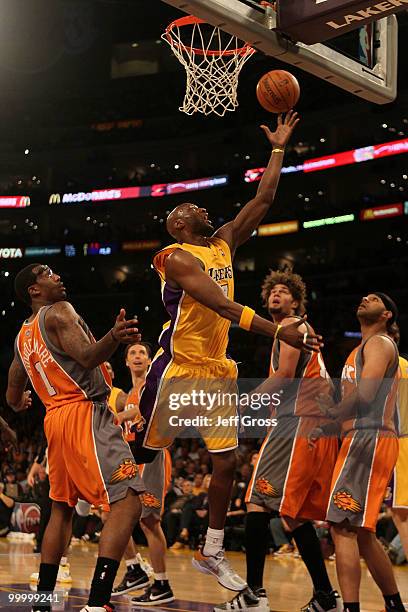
column 196, row 333
column 311, row 378
column 56, row 377
column 381, row 412
column 133, row 399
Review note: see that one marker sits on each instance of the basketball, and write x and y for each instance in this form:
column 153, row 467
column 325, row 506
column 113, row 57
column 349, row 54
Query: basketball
column 278, row 91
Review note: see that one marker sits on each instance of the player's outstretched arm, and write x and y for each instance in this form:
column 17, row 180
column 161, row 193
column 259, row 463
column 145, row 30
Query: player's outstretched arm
column 63, row 322
column 246, row 222
column 16, row 396
column 184, row 270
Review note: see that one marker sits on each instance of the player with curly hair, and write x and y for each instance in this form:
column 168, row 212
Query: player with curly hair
column 289, row 478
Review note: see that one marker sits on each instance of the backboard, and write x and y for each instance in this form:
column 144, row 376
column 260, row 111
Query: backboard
column 374, row 80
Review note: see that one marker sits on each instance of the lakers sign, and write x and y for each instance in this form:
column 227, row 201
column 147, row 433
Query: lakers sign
column 313, row 21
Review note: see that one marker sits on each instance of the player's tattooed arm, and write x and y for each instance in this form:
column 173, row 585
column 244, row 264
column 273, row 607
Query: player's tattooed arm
column 16, row 396
column 184, row 270
column 378, row 354
column 63, row 326
column 239, row 230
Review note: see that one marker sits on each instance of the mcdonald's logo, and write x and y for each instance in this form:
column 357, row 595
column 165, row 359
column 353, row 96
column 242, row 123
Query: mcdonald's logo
column 24, row 201
column 55, row 198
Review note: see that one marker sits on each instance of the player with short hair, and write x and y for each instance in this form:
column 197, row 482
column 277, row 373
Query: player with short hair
column 368, row 453
column 156, row 478
column 289, row 478
column 198, row 288
column 87, row 454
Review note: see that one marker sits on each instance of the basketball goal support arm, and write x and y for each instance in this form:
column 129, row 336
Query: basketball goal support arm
column 249, row 21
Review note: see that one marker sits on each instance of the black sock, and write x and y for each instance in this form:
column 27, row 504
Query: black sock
column 47, row 577
column 308, row 545
column 394, row 602
column 256, row 542
column 46, row 582
column 353, row 606
column 102, row 583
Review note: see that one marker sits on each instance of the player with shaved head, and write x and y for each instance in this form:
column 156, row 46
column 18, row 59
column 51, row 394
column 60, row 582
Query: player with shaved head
column 198, row 291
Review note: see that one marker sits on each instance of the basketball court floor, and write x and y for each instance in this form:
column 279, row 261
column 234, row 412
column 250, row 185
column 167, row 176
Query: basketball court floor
column 286, row 581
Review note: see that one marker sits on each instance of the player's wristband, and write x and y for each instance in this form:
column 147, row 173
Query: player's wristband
column 277, row 331
column 247, row 316
column 278, row 150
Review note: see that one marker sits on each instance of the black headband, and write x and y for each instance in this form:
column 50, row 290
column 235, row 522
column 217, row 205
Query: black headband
column 389, row 305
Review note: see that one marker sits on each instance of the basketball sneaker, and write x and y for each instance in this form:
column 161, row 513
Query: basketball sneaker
column 245, row 600
column 324, row 602
column 158, row 593
column 263, row 599
column 64, row 574
column 134, row 579
column 219, row 567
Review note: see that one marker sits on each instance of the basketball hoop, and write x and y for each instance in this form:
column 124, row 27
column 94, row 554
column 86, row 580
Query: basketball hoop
column 212, row 60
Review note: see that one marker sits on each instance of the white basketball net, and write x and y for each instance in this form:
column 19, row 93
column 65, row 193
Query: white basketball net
column 213, row 62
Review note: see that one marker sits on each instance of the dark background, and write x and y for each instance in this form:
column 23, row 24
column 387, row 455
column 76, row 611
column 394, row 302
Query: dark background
column 57, row 62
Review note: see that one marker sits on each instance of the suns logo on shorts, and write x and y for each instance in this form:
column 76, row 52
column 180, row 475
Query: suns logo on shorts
column 345, row 501
column 127, row 469
column 264, row 487
column 150, row 501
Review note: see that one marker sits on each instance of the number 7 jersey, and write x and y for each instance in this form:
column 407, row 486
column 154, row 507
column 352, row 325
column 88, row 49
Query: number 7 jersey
column 56, row 377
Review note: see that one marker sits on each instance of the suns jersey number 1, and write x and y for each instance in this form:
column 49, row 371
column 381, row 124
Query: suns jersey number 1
column 57, row 378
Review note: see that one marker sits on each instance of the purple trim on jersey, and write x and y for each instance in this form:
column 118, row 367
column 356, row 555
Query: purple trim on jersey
column 171, row 300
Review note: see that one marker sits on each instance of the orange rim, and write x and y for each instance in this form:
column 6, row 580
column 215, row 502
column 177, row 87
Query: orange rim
column 191, row 20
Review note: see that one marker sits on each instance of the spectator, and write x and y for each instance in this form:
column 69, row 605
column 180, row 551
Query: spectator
column 194, row 517
column 6, row 509
column 21, row 478
column 11, row 487
column 198, row 484
column 171, row 519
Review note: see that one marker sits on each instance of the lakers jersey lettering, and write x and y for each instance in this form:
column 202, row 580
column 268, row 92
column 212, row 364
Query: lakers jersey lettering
column 194, row 331
column 220, row 274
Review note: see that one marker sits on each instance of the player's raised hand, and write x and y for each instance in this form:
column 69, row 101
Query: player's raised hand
column 280, row 137
column 26, row 401
column 125, row 331
column 308, row 341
